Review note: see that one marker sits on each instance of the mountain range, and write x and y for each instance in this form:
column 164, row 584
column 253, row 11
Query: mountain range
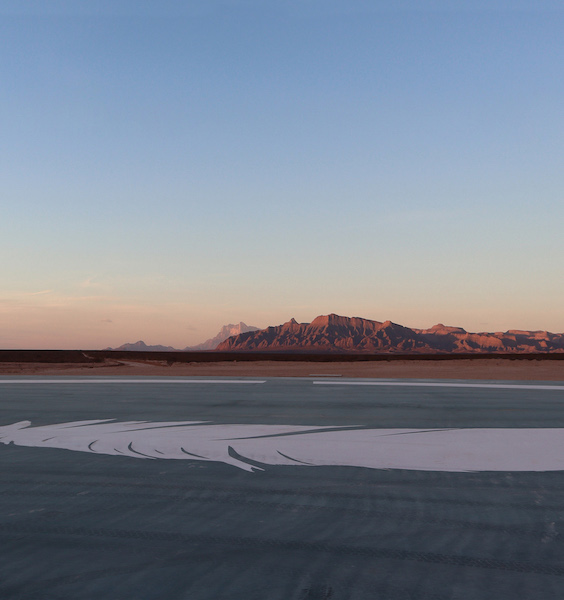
column 334, row 333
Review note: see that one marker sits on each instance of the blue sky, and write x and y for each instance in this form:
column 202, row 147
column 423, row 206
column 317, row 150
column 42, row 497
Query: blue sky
column 169, row 167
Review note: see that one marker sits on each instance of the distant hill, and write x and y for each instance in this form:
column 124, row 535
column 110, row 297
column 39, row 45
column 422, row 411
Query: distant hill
column 226, row 331
column 141, row 346
column 333, row 333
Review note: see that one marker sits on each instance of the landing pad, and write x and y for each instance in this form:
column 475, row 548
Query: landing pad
column 83, row 524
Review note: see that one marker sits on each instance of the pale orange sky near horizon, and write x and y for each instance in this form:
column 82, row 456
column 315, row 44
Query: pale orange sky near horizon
column 84, row 324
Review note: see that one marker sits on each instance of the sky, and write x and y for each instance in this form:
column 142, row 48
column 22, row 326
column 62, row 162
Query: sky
column 169, row 167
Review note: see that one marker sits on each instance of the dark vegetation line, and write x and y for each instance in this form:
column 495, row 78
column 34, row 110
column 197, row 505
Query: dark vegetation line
column 99, row 356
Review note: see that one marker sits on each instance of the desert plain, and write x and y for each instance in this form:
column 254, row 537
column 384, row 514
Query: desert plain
column 532, row 368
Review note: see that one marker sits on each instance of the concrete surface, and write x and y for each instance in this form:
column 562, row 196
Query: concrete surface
column 76, row 525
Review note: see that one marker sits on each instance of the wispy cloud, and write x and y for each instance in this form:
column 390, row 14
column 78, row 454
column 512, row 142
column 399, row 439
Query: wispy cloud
column 18, row 300
column 37, row 293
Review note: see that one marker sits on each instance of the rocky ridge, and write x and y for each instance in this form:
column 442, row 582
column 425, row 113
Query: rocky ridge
column 334, row 333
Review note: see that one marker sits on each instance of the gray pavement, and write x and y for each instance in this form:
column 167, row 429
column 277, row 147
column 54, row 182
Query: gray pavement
column 82, row 525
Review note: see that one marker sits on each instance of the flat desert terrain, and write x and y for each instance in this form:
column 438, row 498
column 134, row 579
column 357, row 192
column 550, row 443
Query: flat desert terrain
column 533, row 369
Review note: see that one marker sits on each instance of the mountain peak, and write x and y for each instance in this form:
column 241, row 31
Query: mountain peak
column 330, row 319
column 225, row 333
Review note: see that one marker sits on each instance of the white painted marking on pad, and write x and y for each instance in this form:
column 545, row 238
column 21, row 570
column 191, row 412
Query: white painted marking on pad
column 325, row 375
column 502, row 386
column 250, row 447
column 114, row 381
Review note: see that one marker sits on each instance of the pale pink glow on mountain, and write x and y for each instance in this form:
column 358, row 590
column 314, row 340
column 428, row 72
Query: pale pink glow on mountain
column 226, row 332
